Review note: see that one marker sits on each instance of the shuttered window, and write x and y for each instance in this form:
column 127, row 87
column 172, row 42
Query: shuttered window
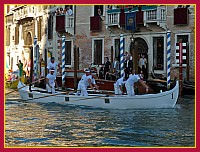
column 50, row 27
column 181, row 16
column 95, row 23
column 7, row 36
column 139, row 17
column 39, row 28
column 122, row 18
column 60, row 23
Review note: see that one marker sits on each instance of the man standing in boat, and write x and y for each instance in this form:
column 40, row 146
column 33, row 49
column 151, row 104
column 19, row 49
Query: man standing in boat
column 50, row 81
column 86, row 80
column 118, row 86
column 52, row 65
column 130, row 84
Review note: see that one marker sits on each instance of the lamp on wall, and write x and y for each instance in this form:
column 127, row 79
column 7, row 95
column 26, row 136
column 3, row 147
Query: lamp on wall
column 132, row 38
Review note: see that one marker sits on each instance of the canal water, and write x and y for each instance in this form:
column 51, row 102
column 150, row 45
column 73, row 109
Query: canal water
column 54, row 125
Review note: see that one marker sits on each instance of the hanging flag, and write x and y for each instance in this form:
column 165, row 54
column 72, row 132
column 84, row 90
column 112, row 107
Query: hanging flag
column 131, row 21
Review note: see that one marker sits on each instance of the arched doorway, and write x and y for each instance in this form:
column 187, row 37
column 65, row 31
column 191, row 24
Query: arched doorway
column 138, row 48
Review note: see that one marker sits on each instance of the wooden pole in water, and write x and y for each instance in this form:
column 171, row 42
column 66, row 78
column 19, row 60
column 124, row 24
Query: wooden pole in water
column 135, row 58
column 45, row 60
column 111, row 54
column 31, row 70
column 180, row 67
column 75, row 66
column 187, row 62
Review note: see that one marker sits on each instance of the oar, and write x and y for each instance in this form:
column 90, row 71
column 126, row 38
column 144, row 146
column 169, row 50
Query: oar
column 49, row 95
column 24, row 86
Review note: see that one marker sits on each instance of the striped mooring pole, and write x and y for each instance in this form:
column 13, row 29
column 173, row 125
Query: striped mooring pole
column 121, row 55
column 168, row 58
column 63, row 60
column 35, row 59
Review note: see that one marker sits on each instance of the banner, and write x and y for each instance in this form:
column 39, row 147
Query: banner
column 131, row 21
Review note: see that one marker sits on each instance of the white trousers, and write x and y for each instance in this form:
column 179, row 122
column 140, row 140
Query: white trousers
column 130, row 89
column 50, row 90
column 117, row 89
column 82, row 89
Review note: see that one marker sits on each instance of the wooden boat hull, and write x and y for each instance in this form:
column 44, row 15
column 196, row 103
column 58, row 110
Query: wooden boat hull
column 165, row 99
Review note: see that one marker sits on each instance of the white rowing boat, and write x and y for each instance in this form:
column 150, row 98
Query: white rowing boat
column 165, row 99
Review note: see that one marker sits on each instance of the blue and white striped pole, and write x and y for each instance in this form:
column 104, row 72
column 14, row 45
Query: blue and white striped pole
column 63, row 60
column 121, row 55
column 168, row 58
column 35, row 59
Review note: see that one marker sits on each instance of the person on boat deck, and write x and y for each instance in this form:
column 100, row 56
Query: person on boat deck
column 86, row 81
column 50, row 81
column 130, row 84
column 52, row 65
column 118, row 86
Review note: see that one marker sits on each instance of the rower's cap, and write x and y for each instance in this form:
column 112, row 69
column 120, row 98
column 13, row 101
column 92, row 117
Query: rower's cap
column 87, row 70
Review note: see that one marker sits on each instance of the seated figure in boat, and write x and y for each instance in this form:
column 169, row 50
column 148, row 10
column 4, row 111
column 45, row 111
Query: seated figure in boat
column 86, row 80
column 118, row 86
column 130, row 84
column 51, row 81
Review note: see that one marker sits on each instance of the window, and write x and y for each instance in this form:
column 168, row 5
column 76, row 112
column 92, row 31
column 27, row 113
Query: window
column 68, row 51
column 17, row 34
column 158, row 53
column 98, row 10
column 39, row 28
column 181, row 16
column 60, row 23
column 95, row 23
column 8, row 36
column 98, row 52
column 50, row 27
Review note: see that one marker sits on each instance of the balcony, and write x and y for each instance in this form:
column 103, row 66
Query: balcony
column 113, row 17
column 24, row 12
column 69, row 26
column 144, row 15
column 155, row 15
column 65, row 23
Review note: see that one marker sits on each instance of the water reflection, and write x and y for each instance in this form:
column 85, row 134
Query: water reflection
column 31, row 124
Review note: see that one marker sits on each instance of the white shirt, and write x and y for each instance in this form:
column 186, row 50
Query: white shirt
column 84, row 80
column 69, row 12
column 51, row 78
column 52, row 65
column 120, row 81
column 132, row 79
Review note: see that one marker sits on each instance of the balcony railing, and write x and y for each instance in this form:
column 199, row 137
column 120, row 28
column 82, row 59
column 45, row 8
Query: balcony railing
column 113, row 17
column 157, row 15
column 150, row 14
column 69, row 24
column 24, row 12
column 65, row 23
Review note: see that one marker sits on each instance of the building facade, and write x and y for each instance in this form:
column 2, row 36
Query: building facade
column 96, row 30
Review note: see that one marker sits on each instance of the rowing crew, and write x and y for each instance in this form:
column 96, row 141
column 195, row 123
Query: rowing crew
column 88, row 80
column 129, row 84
